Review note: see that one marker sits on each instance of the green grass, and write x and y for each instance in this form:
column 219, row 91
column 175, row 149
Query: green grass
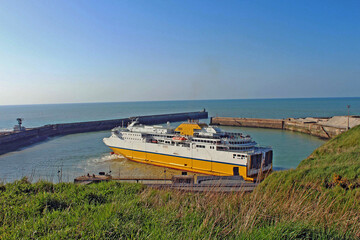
column 336, row 163
column 318, row 200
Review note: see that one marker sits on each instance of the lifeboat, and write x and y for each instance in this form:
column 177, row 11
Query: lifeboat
column 179, row 139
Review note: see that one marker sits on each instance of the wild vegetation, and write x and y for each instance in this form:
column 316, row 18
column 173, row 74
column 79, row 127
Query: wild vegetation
column 320, row 199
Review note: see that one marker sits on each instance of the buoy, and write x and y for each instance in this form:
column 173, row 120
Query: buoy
column 112, row 153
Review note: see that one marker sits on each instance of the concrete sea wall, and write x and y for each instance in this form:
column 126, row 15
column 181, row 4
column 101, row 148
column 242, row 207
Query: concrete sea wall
column 15, row 140
column 291, row 124
column 248, row 122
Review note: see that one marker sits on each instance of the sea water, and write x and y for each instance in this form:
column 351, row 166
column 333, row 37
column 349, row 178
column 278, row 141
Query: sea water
column 63, row 158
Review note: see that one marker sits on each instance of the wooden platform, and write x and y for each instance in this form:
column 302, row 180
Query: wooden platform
column 183, row 183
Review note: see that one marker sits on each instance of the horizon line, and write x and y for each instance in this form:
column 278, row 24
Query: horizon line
column 181, row 100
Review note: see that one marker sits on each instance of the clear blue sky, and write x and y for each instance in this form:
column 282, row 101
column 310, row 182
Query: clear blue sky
column 95, row 51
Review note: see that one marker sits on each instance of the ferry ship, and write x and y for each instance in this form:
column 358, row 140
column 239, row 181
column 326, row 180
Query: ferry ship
column 194, row 147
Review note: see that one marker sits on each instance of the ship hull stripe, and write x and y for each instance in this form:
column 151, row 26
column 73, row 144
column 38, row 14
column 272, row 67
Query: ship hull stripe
column 179, row 156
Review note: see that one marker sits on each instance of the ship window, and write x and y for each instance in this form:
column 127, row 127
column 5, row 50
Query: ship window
column 234, row 155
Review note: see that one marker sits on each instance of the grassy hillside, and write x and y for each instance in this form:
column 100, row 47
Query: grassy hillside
column 318, row 200
column 340, row 155
column 333, row 167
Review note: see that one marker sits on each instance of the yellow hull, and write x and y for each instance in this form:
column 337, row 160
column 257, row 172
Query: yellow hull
column 183, row 163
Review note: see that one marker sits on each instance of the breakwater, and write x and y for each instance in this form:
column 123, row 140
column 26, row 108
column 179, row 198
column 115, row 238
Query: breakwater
column 315, row 126
column 15, row 140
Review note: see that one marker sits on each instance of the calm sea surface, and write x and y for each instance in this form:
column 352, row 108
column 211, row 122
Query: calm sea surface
column 63, row 158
